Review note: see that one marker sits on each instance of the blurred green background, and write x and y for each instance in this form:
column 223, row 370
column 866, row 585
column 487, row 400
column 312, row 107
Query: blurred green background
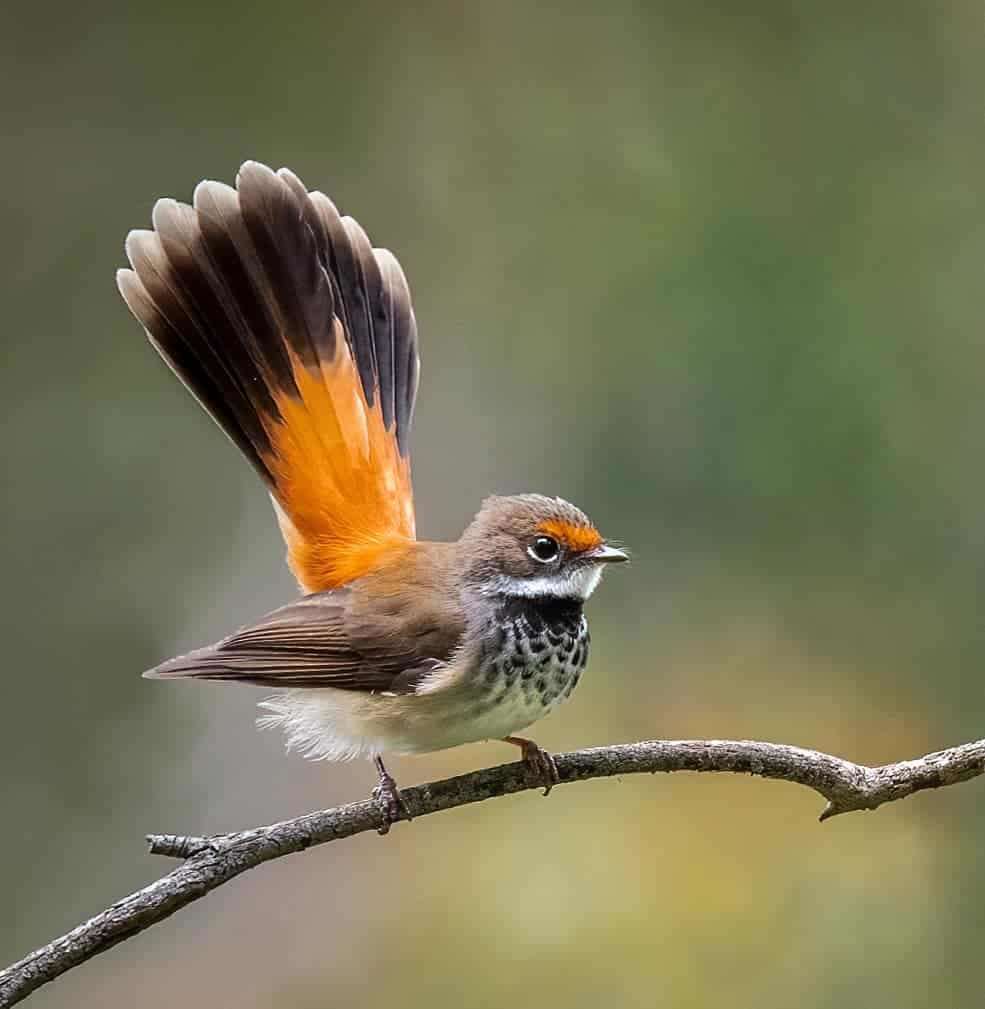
column 714, row 272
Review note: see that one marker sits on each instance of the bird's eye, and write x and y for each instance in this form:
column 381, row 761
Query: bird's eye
column 544, row 549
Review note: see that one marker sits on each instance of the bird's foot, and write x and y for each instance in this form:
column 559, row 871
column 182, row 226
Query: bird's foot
column 540, row 764
column 389, row 801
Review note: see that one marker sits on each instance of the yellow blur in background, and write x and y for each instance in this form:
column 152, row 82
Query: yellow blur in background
column 715, row 273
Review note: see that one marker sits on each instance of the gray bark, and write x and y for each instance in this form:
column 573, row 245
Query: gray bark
column 208, row 862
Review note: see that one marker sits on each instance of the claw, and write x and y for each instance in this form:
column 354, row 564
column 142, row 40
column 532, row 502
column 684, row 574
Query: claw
column 540, row 764
column 389, row 801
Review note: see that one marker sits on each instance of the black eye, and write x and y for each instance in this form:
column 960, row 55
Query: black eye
column 544, row 549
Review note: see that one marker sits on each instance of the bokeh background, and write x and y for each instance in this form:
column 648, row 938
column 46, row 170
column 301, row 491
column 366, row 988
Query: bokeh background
column 713, row 271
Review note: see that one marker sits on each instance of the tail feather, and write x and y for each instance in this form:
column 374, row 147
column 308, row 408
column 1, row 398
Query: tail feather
column 152, row 295
column 298, row 337
column 402, row 340
column 243, row 341
column 226, row 255
column 288, row 257
column 355, row 280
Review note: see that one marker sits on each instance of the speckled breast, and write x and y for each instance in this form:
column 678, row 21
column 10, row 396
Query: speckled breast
column 532, row 658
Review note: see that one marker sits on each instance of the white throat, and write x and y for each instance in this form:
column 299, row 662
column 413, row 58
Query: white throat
column 577, row 584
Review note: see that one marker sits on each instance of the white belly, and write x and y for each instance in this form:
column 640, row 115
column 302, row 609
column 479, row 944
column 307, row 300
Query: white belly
column 498, row 699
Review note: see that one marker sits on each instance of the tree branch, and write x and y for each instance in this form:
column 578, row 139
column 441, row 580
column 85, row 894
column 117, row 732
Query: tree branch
column 211, row 861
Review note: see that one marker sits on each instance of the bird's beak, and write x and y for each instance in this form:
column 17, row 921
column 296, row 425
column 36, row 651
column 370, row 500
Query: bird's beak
column 607, row 555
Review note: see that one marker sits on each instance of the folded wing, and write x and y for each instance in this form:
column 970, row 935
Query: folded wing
column 319, row 641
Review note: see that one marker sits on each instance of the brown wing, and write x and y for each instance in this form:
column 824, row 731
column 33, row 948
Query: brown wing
column 299, row 338
column 328, row 639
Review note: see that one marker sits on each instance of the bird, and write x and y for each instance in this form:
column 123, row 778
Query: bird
column 299, row 338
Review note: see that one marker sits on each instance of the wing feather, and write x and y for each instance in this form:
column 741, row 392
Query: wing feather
column 317, row 642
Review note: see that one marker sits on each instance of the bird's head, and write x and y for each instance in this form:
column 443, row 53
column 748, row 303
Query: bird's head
column 533, row 546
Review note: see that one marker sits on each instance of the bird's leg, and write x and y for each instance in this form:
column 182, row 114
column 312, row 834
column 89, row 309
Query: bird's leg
column 388, row 799
column 539, row 762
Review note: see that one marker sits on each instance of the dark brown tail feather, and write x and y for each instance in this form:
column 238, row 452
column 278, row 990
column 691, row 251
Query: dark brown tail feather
column 224, row 288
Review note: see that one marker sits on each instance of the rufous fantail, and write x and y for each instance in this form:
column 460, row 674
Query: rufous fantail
column 299, row 338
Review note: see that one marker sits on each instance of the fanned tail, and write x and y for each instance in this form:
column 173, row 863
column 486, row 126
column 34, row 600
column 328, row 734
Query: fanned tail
column 299, row 339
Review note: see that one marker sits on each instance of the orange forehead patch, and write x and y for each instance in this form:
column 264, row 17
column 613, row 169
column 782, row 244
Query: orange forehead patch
column 574, row 537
